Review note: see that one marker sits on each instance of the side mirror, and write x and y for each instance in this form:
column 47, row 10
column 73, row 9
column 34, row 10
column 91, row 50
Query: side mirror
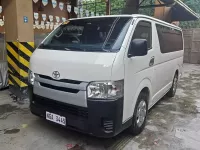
column 138, row 47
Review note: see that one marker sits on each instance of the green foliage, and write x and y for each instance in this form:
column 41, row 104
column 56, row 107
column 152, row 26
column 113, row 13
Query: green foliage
column 195, row 6
column 147, row 11
column 96, row 6
column 99, row 6
column 116, row 7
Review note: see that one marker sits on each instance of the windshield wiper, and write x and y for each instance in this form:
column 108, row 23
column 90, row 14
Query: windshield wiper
column 97, row 50
column 74, row 49
column 85, row 50
column 67, row 49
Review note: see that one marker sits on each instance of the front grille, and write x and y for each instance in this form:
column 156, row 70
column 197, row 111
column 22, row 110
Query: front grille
column 71, row 109
column 64, row 89
column 61, row 80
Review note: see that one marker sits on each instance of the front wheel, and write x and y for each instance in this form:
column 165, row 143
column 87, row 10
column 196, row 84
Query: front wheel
column 172, row 90
column 140, row 114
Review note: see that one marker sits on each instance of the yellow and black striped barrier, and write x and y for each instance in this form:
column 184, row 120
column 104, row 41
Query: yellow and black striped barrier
column 18, row 56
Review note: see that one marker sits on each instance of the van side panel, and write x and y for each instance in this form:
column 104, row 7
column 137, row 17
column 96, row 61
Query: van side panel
column 165, row 69
column 138, row 75
column 157, row 78
column 166, row 64
column 135, row 81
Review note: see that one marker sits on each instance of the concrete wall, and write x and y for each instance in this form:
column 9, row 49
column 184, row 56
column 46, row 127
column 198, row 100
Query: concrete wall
column 192, row 46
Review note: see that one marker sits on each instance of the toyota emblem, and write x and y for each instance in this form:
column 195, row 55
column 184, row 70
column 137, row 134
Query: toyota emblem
column 56, row 75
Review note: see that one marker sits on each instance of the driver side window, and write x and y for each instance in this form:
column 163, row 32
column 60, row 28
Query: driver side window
column 143, row 30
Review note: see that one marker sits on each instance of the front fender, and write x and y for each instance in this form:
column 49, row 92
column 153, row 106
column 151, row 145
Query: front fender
column 143, row 84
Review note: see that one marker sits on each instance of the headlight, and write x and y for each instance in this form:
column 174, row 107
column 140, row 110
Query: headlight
column 106, row 90
column 31, row 77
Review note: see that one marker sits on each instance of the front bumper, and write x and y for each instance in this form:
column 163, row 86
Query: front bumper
column 100, row 118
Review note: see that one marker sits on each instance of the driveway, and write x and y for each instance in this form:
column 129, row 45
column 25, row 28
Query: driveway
column 173, row 124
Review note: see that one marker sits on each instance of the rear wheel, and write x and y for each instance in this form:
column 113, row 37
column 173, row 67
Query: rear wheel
column 172, row 91
column 140, row 114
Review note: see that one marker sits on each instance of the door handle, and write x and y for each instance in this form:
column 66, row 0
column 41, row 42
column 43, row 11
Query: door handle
column 151, row 63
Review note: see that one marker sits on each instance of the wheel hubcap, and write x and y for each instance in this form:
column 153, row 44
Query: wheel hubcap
column 141, row 113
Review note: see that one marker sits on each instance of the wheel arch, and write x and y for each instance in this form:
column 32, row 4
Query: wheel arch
column 144, row 86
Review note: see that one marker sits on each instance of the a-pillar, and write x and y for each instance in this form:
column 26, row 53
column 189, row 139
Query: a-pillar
column 19, row 42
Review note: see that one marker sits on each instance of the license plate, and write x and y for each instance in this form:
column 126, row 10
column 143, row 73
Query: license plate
column 56, row 118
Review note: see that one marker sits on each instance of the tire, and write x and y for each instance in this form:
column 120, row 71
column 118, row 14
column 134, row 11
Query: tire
column 137, row 127
column 172, row 90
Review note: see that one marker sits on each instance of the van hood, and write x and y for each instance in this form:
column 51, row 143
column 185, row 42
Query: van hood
column 74, row 65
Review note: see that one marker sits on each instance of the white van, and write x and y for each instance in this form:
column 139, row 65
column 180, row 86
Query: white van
column 101, row 75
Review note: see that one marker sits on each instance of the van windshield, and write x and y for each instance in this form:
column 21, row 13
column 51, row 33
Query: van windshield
column 92, row 34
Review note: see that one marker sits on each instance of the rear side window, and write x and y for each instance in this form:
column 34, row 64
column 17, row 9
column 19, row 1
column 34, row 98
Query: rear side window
column 170, row 39
column 143, row 30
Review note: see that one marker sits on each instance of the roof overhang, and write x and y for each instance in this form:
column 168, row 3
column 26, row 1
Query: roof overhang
column 180, row 11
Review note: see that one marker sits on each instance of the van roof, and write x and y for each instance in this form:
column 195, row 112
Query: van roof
column 134, row 16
